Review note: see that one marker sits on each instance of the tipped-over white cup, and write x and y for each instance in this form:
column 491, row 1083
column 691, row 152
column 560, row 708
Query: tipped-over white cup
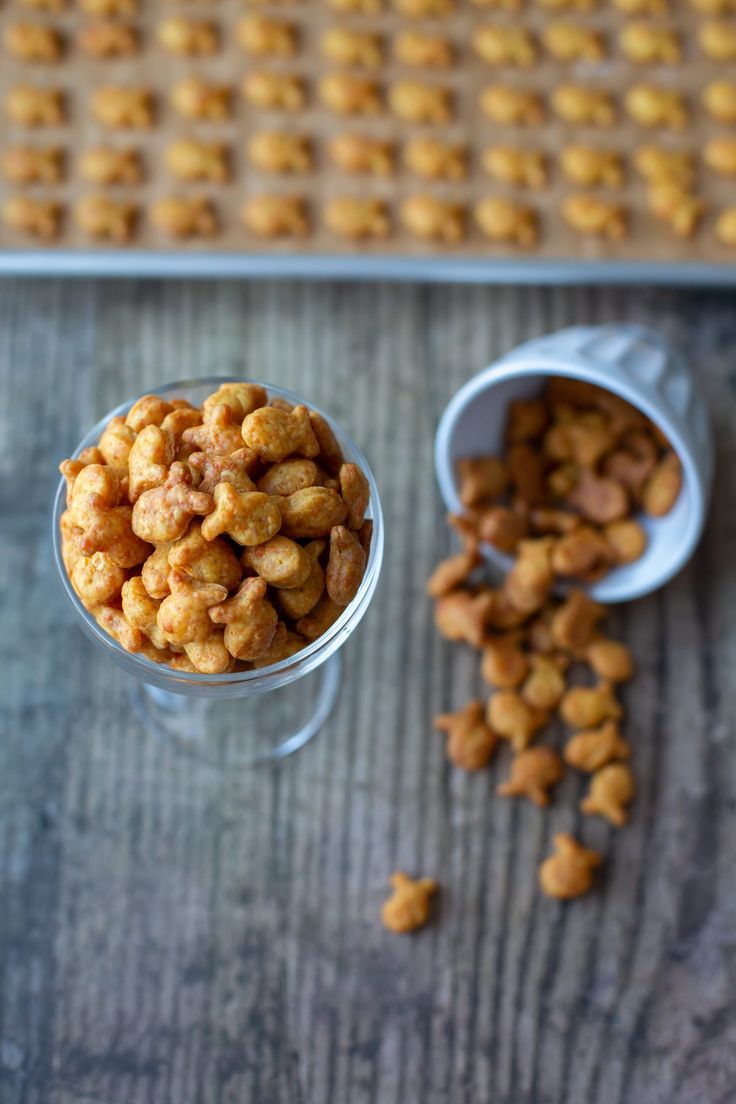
column 630, row 361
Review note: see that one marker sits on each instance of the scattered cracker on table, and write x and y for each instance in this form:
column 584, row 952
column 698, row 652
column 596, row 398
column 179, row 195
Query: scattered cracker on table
column 409, row 904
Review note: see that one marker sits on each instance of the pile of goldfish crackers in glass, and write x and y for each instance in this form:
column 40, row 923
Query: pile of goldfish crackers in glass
column 580, row 463
column 220, row 538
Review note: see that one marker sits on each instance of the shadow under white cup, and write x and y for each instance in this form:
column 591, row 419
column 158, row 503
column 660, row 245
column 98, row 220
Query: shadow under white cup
column 630, row 361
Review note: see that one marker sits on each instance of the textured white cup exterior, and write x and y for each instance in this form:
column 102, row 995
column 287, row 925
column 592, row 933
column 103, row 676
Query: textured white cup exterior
column 630, row 361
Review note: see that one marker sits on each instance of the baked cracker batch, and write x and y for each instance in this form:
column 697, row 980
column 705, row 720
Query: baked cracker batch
column 565, row 129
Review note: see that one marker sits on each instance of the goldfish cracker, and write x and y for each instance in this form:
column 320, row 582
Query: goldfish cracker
column 289, row 476
column 95, row 489
column 345, row 566
column 176, row 423
column 660, row 163
column 503, row 527
column 589, row 167
column 611, row 792
column 71, row 537
column 360, row 154
column 504, row 220
column 180, row 216
column 571, row 42
column 450, row 573
column 208, row 561
column 241, row 397
column 547, row 520
column 183, row 615
column 534, row 772
column 312, row 512
column 261, row 36
column 249, row 518
column 417, row 102
column 196, row 99
column 656, row 108
column 544, row 686
column 663, row 486
column 355, row 493
column 322, row 615
column 569, row 872
column 210, row 656
column 529, row 582
column 423, row 49
column 593, row 748
column 424, row 9
column 461, row 616
column 114, row 622
column 97, row 579
column 284, row 645
column 357, row 218
column 504, row 664
column 589, row 706
column 148, row 410
column 408, row 906
column 232, row 468
column 141, row 611
column 573, row 623
column 592, row 215
column 150, row 458
column 526, row 473
column 297, row 602
column 188, row 37
column 345, row 46
column 274, row 216
column 108, row 40
column 280, row 561
column 275, row 91
column 481, row 478
column 513, row 720
column 29, row 165
column 123, row 108
column 523, row 168
column 599, row 499
column 626, row 539
column 115, row 445
column 163, row 513
column 584, row 106
column 526, row 418
column 219, row 435
column 470, row 742
column 432, row 218
column 33, row 42
column 578, row 552
column 274, row 434
column 512, row 106
column 507, row 45
column 39, row 218
column 610, row 660
column 155, row 572
column 347, row 94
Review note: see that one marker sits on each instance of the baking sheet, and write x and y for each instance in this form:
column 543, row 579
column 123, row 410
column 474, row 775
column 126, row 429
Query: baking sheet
column 650, row 254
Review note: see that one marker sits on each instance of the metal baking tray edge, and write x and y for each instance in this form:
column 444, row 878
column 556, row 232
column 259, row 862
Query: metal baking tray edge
column 144, row 264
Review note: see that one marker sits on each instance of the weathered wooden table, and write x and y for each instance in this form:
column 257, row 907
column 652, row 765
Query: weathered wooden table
column 172, row 936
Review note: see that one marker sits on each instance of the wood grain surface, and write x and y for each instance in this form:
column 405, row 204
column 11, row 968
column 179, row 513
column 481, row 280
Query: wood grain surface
column 173, row 935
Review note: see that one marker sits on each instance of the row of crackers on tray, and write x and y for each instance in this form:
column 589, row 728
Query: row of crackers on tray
column 259, row 36
column 424, row 217
column 126, row 107
column 196, row 160
column 412, row 9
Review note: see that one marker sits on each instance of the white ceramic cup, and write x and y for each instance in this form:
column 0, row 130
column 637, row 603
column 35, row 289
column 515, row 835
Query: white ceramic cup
column 630, row 361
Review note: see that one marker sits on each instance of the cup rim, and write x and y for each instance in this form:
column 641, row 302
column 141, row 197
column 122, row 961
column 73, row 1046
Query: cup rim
column 524, row 362
column 256, row 680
